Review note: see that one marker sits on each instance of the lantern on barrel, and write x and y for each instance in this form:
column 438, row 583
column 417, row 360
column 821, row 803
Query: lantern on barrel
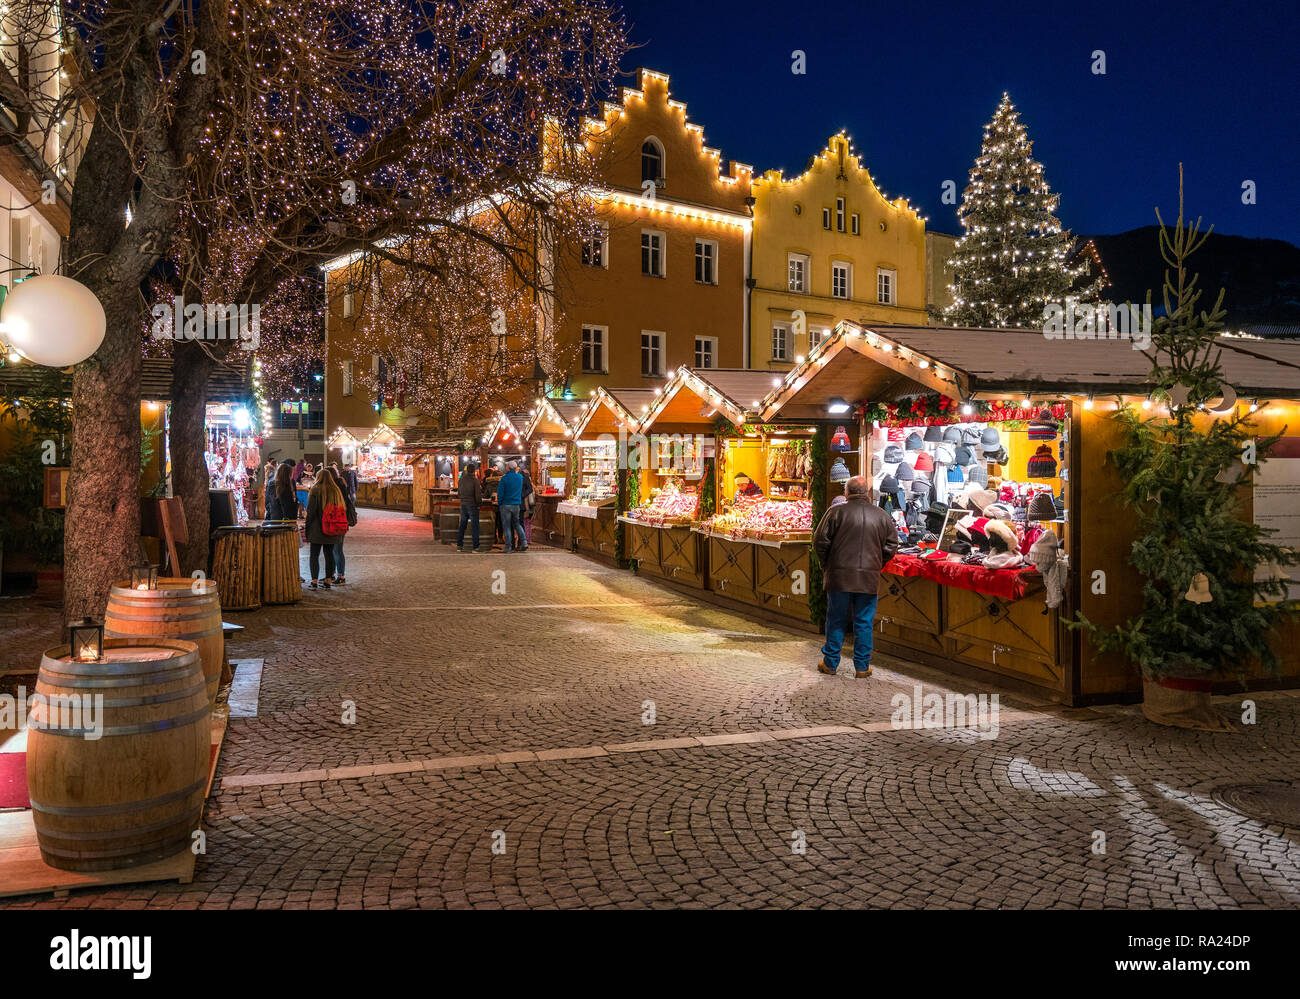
column 86, row 641
column 144, row 577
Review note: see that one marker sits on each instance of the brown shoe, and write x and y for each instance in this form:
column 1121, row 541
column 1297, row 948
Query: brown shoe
column 859, row 674
column 823, row 668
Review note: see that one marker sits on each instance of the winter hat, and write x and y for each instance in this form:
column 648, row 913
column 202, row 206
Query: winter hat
column 997, row 455
column 952, row 435
column 978, row 474
column 964, row 525
column 840, row 440
column 893, row 453
column 960, row 548
column 1044, row 427
column 914, row 442
column 999, row 510
column 1032, row 534
column 945, row 455
column 979, row 533
column 924, row 462
column 954, row 474
column 895, row 435
column 923, row 491
column 989, row 438
column 934, row 434
column 904, row 472
column 1004, row 533
column 839, row 471
column 1043, row 552
column 1042, row 465
column 964, row 455
column 1041, row 507
column 838, row 501
column 977, row 498
column 1003, row 560
column 913, row 518
column 935, row 516
column 891, row 493
column 970, row 436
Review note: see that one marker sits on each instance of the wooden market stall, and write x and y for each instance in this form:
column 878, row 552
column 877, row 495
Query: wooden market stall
column 1040, row 411
column 588, row 514
column 549, row 434
column 383, row 476
column 435, row 458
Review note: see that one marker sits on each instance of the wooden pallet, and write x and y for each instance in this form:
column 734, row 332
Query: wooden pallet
column 22, row 872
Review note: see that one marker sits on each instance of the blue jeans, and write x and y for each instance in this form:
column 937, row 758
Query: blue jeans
column 840, row 608
column 339, row 561
column 510, row 526
column 468, row 515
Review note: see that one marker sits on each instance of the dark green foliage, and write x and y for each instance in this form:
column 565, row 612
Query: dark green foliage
column 820, row 445
column 41, row 415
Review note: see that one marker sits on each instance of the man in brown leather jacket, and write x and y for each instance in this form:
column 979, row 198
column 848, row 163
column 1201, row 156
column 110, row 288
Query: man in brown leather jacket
column 852, row 542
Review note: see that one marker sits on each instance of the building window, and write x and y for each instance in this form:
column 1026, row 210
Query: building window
column 855, row 224
column 706, row 261
column 347, row 377
column 780, row 338
column 841, row 280
column 886, row 286
column 652, row 161
column 826, row 219
column 798, row 273
column 595, row 250
column 594, row 361
column 839, row 214
column 706, row 351
column 652, row 354
column 652, row 253
column 347, row 302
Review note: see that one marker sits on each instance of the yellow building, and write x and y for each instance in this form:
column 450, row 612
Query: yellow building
column 829, row 245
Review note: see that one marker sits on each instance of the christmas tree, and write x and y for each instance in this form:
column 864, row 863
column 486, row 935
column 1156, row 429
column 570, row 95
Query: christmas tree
column 1213, row 587
column 1014, row 256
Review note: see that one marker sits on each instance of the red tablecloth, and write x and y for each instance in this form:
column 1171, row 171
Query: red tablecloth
column 1010, row 584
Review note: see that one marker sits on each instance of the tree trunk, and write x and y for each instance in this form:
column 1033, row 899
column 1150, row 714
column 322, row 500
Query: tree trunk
column 102, row 523
column 192, row 367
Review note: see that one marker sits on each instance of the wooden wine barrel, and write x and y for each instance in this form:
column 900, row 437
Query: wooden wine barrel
column 281, row 581
column 237, row 567
column 134, row 794
column 188, row 609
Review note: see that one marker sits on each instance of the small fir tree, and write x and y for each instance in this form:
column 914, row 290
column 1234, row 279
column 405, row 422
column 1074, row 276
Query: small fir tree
column 1182, row 475
column 1013, row 256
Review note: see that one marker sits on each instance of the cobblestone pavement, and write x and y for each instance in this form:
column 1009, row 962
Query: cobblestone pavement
column 572, row 656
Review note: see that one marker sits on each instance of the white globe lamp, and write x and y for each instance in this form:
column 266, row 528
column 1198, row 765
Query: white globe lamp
column 53, row 320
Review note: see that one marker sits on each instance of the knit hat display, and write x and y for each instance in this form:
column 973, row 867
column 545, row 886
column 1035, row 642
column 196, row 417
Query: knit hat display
column 1041, row 507
column 914, row 442
column 990, row 438
column 964, row 455
column 954, row 474
column 924, row 462
column 1042, row 465
column 840, row 440
column 979, row 474
column 839, row 471
column 952, row 435
column 933, row 434
column 893, row 453
column 1002, row 536
column 1044, row 427
column 904, row 472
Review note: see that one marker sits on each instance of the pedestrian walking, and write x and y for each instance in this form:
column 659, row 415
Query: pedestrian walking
column 510, row 497
column 281, row 504
column 327, row 521
column 470, row 492
column 340, row 561
column 530, row 503
column 853, row 542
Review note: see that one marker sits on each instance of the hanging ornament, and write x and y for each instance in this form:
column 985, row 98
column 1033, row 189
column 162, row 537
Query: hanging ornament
column 1199, row 591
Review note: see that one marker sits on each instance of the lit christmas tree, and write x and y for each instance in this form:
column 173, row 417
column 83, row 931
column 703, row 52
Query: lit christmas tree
column 1014, row 256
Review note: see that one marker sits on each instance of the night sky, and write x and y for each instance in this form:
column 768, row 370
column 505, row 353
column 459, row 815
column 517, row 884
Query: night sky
column 1211, row 84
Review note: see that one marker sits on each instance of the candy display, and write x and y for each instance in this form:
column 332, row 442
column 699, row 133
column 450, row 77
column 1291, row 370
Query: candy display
column 670, row 506
column 762, row 518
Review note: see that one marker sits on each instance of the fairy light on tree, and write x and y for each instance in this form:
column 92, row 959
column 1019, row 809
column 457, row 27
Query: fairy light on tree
column 1014, row 256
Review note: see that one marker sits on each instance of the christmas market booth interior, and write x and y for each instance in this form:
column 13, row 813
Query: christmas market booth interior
column 383, row 476
column 588, row 514
column 550, row 435
column 994, row 466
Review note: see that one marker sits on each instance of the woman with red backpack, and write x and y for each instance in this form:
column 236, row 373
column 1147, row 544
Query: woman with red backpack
column 327, row 522
column 340, row 562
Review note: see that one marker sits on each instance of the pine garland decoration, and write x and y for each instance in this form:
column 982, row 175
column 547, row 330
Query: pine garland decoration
column 820, row 449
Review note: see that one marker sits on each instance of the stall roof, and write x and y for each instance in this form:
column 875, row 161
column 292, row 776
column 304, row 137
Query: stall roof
column 609, row 409
column 696, row 396
column 553, row 419
column 230, row 380
column 429, row 439
column 888, row 361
